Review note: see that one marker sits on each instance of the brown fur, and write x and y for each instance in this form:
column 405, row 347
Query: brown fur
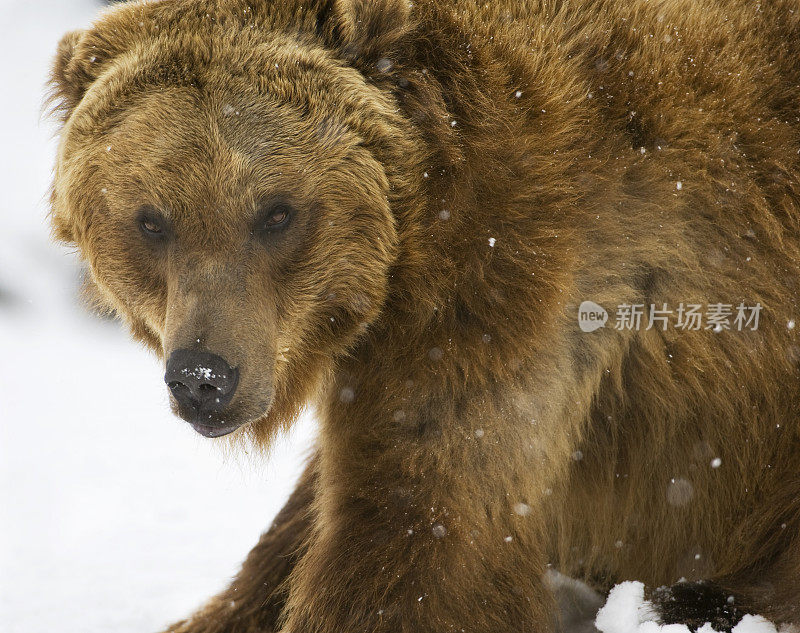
column 450, row 376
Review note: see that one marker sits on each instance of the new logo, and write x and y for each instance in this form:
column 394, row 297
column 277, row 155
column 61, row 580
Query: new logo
column 591, row 316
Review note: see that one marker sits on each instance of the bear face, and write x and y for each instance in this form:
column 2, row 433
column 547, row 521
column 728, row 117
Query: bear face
column 223, row 206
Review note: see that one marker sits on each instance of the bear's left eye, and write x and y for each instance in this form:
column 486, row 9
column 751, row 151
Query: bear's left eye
column 273, row 217
column 151, row 227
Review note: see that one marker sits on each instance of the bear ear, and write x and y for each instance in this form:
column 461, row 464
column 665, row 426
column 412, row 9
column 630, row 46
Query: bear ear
column 67, row 80
column 367, row 30
column 74, row 69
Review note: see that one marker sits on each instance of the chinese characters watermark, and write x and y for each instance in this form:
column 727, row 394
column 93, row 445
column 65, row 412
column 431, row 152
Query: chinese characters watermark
column 716, row 317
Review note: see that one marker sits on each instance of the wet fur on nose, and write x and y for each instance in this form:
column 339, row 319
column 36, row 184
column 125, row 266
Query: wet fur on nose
column 201, row 382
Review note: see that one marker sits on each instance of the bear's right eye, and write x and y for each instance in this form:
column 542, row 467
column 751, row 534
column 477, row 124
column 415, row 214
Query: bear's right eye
column 151, row 223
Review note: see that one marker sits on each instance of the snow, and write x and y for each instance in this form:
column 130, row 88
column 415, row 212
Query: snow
column 626, row 611
column 116, row 515
column 199, row 372
column 522, row 509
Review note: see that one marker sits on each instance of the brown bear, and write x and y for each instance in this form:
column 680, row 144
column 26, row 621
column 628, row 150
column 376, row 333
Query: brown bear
column 394, row 211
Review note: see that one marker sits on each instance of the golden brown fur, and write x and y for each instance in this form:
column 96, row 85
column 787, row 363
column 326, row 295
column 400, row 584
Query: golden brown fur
column 451, row 378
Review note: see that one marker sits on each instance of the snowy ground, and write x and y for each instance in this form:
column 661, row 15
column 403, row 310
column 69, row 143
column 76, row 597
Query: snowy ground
column 114, row 515
column 626, row 611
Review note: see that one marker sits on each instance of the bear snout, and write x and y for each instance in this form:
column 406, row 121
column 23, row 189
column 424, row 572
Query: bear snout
column 203, row 384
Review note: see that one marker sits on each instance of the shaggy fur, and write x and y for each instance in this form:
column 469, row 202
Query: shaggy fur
column 463, row 175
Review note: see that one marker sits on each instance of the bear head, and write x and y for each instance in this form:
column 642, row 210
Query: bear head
column 222, row 168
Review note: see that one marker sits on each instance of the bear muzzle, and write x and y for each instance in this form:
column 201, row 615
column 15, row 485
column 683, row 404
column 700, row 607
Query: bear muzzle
column 203, row 385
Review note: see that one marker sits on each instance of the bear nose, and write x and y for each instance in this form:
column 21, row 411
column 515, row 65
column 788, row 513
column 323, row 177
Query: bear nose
column 201, row 382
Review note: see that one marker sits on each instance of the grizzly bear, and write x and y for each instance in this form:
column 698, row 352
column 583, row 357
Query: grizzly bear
column 394, row 212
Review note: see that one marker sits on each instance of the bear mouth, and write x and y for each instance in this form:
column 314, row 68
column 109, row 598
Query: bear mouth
column 216, row 430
